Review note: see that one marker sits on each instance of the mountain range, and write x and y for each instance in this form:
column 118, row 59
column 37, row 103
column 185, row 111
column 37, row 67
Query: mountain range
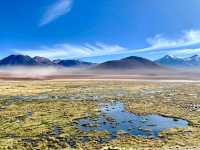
column 128, row 63
column 24, row 60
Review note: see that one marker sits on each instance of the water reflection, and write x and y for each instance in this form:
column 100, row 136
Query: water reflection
column 115, row 119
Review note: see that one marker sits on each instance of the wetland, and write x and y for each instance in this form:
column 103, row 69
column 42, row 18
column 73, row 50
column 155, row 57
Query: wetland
column 62, row 114
column 114, row 119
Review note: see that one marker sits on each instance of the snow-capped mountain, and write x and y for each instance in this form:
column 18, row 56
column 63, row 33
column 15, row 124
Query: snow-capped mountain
column 172, row 61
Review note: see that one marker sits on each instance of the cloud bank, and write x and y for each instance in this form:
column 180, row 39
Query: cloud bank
column 159, row 42
column 70, row 51
column 180, row 46
column 188, row 38
column 60, row 8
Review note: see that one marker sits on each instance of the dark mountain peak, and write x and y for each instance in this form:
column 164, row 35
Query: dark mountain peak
column 193, row 60
column 43, row 60
column 73, row 63
column 57, row 61
column 195, row 57
column 169, row 56
column 18, row 57
column 39, row 57
column 132, row 58
column 137, row 59
column 128, row 63
column 18, row 60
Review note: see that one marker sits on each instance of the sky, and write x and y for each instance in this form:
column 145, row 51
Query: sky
column 99, row 30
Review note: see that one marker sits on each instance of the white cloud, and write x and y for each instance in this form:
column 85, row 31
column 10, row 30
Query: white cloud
column 69, row 51
column 61, row 7
column 183, row 52
column 188, row 38
column 158, row 44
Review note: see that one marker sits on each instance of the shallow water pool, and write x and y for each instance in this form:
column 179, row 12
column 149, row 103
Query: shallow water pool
column 113, row 118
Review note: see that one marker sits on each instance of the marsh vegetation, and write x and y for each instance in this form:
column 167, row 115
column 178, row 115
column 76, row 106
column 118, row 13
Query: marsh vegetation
column 59, row 114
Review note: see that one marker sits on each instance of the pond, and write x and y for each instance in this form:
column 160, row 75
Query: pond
column 114, row 119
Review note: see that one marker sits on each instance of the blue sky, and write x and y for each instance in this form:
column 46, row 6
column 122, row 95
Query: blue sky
column 99, row 30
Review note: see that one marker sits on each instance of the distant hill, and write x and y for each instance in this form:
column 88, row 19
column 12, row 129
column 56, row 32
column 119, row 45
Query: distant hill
column 43, row 61
column 24, row 60
column 16, row 60
column 171, row 61
column 73, row 63
column 129, row 63
column 194, row 60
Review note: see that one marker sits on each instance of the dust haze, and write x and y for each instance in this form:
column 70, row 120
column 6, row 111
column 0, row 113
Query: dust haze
column 46, row 72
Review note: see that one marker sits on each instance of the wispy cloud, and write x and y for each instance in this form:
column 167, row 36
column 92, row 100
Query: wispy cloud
column 185, row 52
column 61, row 7
column 159, row 42
column 69, row 51
column 189, row 38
